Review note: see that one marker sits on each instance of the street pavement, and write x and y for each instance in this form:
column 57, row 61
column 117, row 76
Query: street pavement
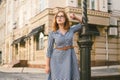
column 22, row 76
column 25, row 73
column 105, row 71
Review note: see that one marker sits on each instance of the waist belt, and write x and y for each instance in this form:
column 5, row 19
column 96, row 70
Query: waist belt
column 65, row 48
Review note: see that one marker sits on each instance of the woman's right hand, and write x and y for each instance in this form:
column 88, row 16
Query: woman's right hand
column 74, row 17
column 47, row 69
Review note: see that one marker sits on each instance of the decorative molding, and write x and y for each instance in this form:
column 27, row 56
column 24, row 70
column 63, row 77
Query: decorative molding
column 51, row 11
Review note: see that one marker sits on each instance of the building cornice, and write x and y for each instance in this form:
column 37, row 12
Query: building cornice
column 41, row 15
column 52, row 11
column 89, row 12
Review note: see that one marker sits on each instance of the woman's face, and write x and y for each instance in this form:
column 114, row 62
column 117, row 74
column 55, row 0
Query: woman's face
column 60, row 18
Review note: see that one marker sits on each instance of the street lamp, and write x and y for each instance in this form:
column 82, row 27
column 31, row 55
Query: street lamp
column 85, row 44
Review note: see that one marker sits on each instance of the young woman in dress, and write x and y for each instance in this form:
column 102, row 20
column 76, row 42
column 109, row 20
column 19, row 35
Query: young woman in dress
column 61, row 61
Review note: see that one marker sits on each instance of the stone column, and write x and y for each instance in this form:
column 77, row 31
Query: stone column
column 32, row 49
column 27, row 49
column 18, row 55
column 13, row 54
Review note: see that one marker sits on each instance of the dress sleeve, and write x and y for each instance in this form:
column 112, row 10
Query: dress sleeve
column 76, row 28
column 50, row 45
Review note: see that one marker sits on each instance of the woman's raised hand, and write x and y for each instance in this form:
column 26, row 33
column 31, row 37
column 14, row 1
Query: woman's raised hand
column 74, row 17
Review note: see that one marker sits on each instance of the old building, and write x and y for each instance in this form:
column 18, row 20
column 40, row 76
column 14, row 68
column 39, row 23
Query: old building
column 28, row 23
column 113, row 49
column 2, row 28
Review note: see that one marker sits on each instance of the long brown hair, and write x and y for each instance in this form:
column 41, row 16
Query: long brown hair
column 66, row 24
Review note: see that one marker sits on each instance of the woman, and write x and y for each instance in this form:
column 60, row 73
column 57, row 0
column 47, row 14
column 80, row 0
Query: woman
column 61, row 62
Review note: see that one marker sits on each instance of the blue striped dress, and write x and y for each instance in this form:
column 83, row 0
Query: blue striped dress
column 63, row 63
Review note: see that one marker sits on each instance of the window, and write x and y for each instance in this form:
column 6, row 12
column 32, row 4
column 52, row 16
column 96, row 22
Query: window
column 103, row 3
column 40, row 41
column 42, row 5
column 119, row 28
column 88, row 6
column 79, row 3
column 0, row 1
column 93, row 4
column 21, row 16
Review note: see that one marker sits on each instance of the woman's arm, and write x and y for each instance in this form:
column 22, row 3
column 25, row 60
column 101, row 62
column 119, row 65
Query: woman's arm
column 76, row 27
column 50, row 45
column 47, row 66
column 49, row 52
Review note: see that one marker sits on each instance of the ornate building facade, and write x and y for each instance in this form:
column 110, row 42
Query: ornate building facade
column 28, row 23
column 2, row 28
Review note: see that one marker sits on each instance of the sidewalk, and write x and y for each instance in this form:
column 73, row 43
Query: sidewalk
column 95, row 71
column 105, row 71
column 21, row 70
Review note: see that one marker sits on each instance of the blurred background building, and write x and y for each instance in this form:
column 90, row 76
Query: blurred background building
column 25, row 25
